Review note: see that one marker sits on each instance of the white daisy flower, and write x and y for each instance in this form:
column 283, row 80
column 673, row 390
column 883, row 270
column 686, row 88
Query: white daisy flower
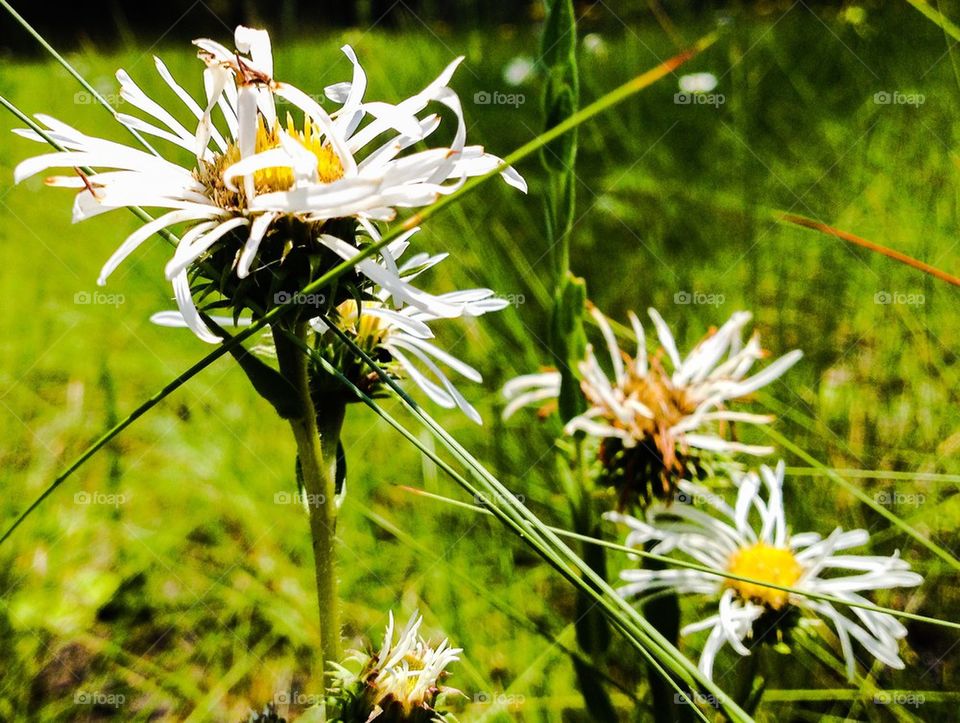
column 662, row 419
column 400, row 682
column 752, row 540
column 256, row 177
column 399, row 337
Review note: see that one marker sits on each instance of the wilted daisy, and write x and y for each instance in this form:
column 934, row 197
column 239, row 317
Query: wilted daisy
column 273, row 199
column 401, row 683
column 400, row 339
column 656, row 426
column 752, row 540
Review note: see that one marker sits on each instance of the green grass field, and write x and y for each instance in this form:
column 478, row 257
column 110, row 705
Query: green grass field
column 171, row 572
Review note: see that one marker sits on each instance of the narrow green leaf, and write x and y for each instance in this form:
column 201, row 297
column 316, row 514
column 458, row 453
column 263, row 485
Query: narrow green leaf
column 569, row 343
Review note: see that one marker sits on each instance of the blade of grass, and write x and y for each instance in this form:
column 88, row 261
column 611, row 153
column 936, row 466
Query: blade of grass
column 70, row 69
column 877, row 474
column 802, row 695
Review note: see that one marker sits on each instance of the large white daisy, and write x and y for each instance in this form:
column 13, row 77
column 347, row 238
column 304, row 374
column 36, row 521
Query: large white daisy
column 656, row 417
column 255, row 175
column 752, row 540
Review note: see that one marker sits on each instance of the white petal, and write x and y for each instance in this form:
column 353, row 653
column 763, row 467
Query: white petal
column 257, row 230
column 142, row 234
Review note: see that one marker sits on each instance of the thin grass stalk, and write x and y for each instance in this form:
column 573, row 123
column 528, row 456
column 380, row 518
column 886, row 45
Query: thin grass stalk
column 876, row 248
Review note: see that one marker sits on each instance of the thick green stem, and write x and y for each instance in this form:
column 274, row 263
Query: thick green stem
column 317, row 457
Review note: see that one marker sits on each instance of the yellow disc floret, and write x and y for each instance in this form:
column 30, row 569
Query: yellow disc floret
column 764, row 562
column 276, row 178
column 280, row 178
column 368, row 329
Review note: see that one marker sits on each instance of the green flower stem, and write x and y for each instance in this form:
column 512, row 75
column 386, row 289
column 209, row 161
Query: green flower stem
column 317, row 437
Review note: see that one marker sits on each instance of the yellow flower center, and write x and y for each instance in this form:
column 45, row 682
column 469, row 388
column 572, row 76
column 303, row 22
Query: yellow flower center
column 266, row 180
column 764, row 562
column 280, row 178
column 369, row 329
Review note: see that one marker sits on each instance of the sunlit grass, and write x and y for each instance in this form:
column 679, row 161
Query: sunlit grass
column 669, row 198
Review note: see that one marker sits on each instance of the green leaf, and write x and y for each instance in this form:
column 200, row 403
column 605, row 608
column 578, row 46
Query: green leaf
column 569, row 343
column 559, row 42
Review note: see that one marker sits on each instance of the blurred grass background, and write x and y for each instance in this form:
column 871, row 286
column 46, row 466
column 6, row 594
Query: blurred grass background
column 192, row 597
